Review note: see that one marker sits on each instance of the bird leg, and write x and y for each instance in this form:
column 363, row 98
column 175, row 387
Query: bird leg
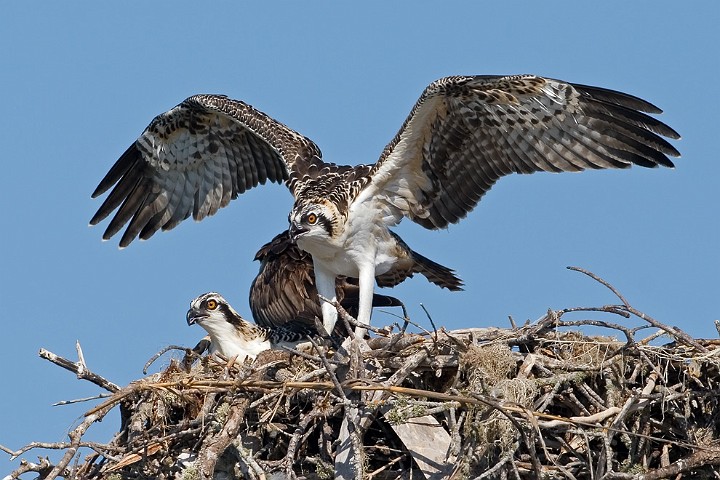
column 366, row 282
column 325, row 284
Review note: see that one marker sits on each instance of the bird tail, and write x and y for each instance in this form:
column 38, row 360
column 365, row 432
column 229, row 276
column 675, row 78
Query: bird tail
column 351, row 298
column 438, row 274
column 386, row 301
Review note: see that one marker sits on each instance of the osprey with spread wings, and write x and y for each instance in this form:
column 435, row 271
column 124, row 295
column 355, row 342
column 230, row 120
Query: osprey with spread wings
column 462, row 135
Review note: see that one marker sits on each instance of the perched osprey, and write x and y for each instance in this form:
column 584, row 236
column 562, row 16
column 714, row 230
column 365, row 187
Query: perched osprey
column 284, row 289
column 462, row 135
column 233, row 336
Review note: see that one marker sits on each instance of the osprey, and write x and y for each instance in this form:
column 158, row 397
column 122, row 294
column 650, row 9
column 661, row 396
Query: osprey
column 233, row 336
column 461, row 136
column 284, row 289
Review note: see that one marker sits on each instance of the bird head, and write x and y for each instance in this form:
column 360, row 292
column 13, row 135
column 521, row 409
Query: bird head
column 206, row 307
column 212, row 312
column 317, row 220
column 230, row 334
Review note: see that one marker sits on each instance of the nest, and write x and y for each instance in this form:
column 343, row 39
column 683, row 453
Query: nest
column 544, row 400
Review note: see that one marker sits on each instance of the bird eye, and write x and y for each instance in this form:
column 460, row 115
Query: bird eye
column 212, row 304
column 312, row 219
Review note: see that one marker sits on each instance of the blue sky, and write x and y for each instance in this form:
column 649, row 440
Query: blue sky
column 81, row 80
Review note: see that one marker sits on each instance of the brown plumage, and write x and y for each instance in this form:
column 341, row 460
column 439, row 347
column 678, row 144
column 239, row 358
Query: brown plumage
column 284, row 289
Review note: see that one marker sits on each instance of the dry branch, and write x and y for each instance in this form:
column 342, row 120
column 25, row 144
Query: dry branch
column 79, row 368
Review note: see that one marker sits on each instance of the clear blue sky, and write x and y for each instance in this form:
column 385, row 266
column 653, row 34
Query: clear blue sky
column 81, row 80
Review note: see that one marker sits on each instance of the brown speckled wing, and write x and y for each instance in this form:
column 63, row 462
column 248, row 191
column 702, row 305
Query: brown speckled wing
column 464, row 133
column 194, row 159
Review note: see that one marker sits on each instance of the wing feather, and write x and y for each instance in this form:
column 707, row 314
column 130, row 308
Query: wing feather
column 193, row 160
column 129, row 207
column 465, row 133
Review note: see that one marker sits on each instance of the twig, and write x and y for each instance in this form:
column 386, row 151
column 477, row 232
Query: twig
column 80, row 400
column 432, row 323
column 81, row 359
column 98, row 447
column 295, row 439
column 674, row 331
column 346, row 317
column 249, row 460
column 330, row 371
column 187, row 351
column 601, row 281
column 79, row 369
column 507, row 457
column 692, row 461
column 386, row 466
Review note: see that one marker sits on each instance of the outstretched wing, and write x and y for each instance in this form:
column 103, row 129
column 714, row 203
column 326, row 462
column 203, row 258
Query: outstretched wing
column 464, row 133
column 194, row 159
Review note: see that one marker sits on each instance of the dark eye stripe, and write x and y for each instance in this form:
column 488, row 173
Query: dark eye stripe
column 327, row 225
column 229, row 316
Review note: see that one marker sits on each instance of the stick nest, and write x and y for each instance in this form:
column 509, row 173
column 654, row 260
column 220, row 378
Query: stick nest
column 546, row 400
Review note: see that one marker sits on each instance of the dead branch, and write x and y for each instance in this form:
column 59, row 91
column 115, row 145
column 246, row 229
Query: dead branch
column 43, row 467
column 79, row 368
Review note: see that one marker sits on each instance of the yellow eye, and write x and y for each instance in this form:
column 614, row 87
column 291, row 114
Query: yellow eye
column 312, row 219
column 212, row 304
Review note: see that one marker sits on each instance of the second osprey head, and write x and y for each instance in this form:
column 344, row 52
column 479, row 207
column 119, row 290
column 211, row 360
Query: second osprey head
column 230, row 334
column 233, row 336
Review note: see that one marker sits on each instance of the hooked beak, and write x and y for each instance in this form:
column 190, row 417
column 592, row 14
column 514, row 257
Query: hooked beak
column 297, row 231
column 193, row 317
